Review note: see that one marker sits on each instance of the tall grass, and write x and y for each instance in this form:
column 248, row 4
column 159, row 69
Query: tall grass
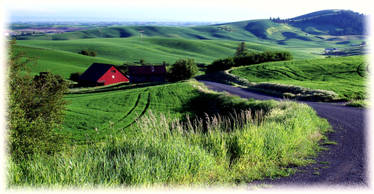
column 160, row 150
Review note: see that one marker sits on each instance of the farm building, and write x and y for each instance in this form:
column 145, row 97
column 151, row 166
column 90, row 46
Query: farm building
column 140, row 74
column 102, row 74
column 330, row 50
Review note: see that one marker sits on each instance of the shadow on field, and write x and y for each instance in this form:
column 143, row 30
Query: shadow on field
column 121, row 86
column 206, row 106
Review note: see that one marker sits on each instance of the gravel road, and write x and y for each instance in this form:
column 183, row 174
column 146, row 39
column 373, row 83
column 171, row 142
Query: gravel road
column 343, row 163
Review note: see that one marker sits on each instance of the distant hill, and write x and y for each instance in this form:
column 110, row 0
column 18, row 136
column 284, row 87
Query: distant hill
column 329, row 22
column 302, row 28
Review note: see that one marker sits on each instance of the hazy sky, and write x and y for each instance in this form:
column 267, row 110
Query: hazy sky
column 172, row 10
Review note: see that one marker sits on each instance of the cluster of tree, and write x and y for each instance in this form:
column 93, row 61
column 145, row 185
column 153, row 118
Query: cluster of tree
column 35, row 109
column 182, row 69
column 278, row 20
column 248, row 59
column 88, row 53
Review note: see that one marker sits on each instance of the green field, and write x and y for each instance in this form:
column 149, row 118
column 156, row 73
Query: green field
column 346, row 76
column 181, row 133
column 98, row 113
column 59, row 62
column 58, row 52
column 163, row 147
column 61, row 57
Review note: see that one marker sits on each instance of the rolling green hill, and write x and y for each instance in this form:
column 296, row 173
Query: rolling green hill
column 346, row 76
column 331, row 22
column 59, row 62
column 303, row 28
column 61, row 57
column 304, row 36
column 144, row 134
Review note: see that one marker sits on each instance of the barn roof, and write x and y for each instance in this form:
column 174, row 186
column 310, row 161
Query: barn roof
column 147, row 70
column 95, row 71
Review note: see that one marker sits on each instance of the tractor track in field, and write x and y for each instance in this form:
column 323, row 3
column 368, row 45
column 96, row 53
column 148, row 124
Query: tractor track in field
column 132, row 109
column 292, row 74
column 143, row 112
column 343, row 163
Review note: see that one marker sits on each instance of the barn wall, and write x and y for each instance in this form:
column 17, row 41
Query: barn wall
column 111, row 77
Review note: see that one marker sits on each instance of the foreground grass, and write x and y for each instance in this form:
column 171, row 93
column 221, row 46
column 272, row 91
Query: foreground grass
column 359, row 103
column 346, row 76
column 161, row 149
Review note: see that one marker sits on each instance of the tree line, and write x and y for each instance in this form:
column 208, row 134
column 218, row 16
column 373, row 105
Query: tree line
column 242, row 58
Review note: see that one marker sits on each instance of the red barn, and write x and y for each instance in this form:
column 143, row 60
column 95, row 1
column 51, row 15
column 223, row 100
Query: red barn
column 102, row 74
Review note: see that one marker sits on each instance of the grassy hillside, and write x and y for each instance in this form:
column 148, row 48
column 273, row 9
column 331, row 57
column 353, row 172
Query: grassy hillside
column 344, row 75
column 61, row 57
column 331, row 22
column 153, row 50
column 59, row 62
column 166, row 148
column 302, row 31
column 89, row 116
column 306, row 27
column 182, row 133
column 160, row 43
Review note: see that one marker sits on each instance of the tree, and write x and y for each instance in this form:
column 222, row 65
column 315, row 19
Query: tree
column 35, row 109
column 88, row 53
column 241, row 50
column 141, row 61
column 182, row 70
column 75, row 76
column 221, row 64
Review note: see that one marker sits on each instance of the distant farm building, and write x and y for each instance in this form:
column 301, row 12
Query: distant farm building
column 102, row 74
column 330, row 50
column 140, row 74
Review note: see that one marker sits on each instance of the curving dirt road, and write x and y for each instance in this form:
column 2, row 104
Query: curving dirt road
column 344, row 163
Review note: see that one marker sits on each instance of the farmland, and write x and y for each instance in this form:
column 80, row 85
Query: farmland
column 181, row 133
column 346, row 76
column 163, row 148
column 157, row 44
column 89, row 116
column 55, row 56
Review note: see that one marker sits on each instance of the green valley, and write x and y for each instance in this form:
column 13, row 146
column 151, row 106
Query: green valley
column 175, row 131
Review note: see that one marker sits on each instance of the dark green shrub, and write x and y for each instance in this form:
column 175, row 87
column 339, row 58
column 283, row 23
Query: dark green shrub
column 182, row 70
column 88, row 53
column 248, row 59
column 75, row 76
column 35, row 110
column 221, row 64
column 267, row 56
column 92, row 53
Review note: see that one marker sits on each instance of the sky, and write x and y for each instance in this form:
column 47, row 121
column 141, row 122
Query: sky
column 171, row 10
